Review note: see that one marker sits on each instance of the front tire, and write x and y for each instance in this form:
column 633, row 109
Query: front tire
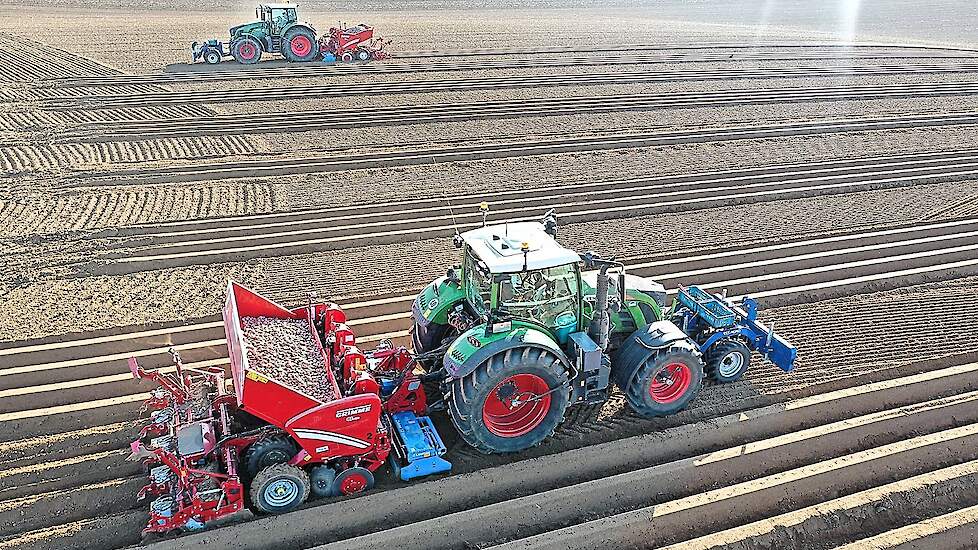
column 246, row 51
column 279, row 488
column 506, row 404
column 665, row 383
column 727, row 362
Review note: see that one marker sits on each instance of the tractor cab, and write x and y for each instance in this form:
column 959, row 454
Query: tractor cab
column 276, row 16
column 518, row 270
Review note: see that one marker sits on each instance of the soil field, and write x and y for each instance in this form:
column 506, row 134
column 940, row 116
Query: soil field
column 822, row 161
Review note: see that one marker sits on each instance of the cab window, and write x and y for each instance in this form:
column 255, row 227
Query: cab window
column 541, row 296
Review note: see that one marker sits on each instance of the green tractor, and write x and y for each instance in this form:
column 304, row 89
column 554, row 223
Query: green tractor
column 277, row 30
column 518, row 332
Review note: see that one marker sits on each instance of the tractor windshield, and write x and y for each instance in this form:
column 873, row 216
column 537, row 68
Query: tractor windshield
column 542, row 296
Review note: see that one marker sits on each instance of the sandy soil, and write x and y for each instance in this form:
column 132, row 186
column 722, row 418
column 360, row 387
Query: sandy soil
column 48, row 231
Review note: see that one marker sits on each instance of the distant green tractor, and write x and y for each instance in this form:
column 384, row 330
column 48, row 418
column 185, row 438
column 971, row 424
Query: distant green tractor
column 519, row 332
column 276, row 31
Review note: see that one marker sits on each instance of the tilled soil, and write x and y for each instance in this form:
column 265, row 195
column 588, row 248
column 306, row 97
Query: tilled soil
column 194, row 292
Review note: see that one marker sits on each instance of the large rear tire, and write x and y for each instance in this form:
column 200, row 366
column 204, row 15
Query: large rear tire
column 279, row 488
column 506, row 404
column 246, row 51
column 299, row 44
column 665, row 383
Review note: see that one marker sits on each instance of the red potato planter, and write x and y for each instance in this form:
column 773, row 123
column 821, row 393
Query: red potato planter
column 287, row 428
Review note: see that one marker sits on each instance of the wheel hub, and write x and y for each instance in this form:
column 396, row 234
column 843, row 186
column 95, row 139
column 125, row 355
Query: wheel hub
column 353, row 484
column 670, row 383
column 280, row 492
column 516, row 406
column 731, row 363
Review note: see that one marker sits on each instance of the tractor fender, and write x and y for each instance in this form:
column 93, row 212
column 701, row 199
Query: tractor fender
column 262, row 40
column 300, row 25
column 474, row 346
column 644, row 342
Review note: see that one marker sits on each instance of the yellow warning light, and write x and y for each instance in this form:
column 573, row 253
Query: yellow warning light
column 483, row 205
column 525, row 247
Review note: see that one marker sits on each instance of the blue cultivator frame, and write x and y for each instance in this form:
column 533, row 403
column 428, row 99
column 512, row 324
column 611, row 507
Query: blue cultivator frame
column 722, row 319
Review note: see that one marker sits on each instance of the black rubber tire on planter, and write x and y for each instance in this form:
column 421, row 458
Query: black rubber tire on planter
column 277, row 449
column 291, row 482
column 523, row 428
column 306, row 46
column 727, row 361
column 321, row 478
column 353, row 480
column 673, row 390
column 246, row 51
column 363, row 55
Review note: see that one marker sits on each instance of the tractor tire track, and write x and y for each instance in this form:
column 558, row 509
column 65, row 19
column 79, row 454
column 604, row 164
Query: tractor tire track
column 548, row 106
column 601, row 142
column 195, row 97
column 128, row 249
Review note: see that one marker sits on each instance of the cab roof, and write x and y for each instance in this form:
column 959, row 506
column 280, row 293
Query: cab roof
column 499, row 247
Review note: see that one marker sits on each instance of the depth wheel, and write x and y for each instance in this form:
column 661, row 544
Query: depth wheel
column 363, row 55
column 665, row 383
column 727, row 361
column 506, row 404
column 321, row 477
column 279, row 488
column 347, row 57
column 212, row 57
column 353, row 480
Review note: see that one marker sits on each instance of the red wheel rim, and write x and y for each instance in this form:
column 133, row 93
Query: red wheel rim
column 670, row 383
column 353, row 483
column 301, row 45
column 247, row 50
column 514, row 407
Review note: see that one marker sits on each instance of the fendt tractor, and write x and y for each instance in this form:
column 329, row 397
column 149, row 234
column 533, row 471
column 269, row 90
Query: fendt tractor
column 504, row 343
column 277, row 30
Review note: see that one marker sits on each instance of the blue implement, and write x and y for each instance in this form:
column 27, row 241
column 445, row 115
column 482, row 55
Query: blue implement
column 707, row 307
column 420, row 446
column 733, row 321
